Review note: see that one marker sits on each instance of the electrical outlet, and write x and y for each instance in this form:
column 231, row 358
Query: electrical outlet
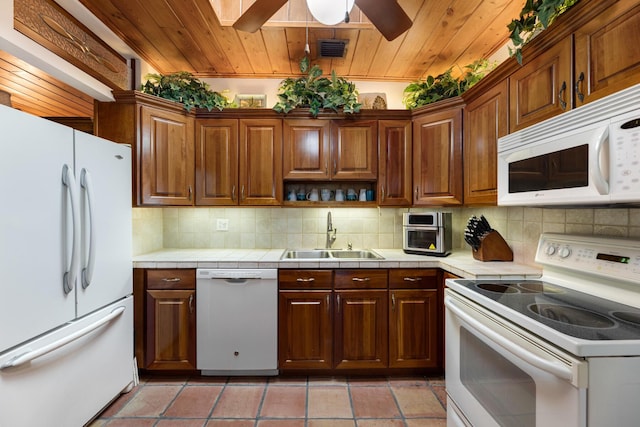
column 222, row 224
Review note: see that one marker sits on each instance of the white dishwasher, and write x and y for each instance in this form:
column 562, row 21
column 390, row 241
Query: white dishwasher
column 237, row 321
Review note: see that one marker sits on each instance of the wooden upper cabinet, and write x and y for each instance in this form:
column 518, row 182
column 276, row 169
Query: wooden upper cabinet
column 485, row 120
column 306, row 148
column 394, row 163
column 216, row 162
column 167, row 158
column 607, row 52
column 354, row 149
column 260, row 165
column 542, row 88
column 437, row 156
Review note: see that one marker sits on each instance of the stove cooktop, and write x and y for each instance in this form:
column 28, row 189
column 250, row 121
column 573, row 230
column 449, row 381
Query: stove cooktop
column 562, row 309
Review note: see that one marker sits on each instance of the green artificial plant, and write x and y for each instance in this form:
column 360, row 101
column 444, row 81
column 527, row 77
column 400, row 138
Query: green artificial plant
column 185, row 88
column 535, row 16
column 317, row 92
column 445, row 85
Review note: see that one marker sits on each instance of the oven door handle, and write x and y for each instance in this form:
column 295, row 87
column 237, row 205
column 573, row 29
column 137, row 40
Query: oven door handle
column 557, row 369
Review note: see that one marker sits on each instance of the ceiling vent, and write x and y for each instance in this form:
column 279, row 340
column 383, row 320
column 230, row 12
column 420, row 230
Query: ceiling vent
column 332, row 48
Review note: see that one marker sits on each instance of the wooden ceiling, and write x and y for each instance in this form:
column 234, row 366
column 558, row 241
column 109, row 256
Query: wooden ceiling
column 196, row 36
column 189, row 35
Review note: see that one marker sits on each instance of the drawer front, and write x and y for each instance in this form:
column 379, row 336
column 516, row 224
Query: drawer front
column 305, row 279
column 411, row 278
column 361, row 279
column 171, row 279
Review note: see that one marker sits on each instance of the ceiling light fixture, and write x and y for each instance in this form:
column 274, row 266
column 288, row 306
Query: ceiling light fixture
column 330, row 12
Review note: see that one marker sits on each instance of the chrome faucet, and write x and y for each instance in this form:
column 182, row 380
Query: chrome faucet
column 330, row 237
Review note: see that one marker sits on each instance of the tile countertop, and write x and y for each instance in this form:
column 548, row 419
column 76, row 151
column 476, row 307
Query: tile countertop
column 460, row 262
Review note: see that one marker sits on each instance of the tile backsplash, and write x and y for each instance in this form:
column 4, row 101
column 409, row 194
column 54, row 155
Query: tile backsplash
column 265, row 228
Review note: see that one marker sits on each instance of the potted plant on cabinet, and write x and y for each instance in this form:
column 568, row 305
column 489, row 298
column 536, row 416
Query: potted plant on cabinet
column 443, row 86
column 535, row 16
column 316, row 92
column 183, row 87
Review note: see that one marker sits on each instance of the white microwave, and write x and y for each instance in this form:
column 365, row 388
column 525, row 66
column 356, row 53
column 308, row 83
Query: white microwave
column 587, row 156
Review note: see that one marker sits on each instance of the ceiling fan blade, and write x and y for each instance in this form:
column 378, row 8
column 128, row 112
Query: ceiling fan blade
column 257, row 15
column 387, row 16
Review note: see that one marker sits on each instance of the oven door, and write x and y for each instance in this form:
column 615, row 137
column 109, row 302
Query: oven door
column 500, row 375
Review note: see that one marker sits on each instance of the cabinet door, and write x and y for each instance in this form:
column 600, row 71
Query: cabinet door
column 167, row 157
column 306, row 149
column 437, row 158
column 216, row 162
column 485, row 121
column 260, row 175
column 413, row 328
column 542, row 88
column 607, row 52
column 171, row 327
column 394, row 162
column 304, row 330
column 354, row 149
column 361, row 323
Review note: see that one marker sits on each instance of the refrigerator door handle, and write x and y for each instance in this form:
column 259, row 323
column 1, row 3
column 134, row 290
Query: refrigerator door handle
column 28, row 356
column 87, row 271
column 69, row 181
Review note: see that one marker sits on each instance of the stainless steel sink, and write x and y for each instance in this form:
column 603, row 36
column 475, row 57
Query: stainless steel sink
column 306, row 254
column 342, row 254
column 355, row 254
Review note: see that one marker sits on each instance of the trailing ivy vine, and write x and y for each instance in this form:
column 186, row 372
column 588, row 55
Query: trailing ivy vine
column 185, row 88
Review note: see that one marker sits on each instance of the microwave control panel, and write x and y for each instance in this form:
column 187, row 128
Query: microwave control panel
column 624, row 141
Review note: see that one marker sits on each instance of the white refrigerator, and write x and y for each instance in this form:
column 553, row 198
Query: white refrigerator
column 66, row 305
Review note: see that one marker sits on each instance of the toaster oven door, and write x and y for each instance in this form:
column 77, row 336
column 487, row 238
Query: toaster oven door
column 424, row 239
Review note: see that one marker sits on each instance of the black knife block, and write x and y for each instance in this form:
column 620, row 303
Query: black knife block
column 493, row 248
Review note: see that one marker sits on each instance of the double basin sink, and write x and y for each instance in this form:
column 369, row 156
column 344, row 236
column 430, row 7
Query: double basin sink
column 327, row 254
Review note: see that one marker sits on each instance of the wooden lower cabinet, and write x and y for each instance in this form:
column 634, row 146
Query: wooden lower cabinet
column 360, row 329
column 359, row 320
column 414, row 326
column 305, row 329
column 165, row 319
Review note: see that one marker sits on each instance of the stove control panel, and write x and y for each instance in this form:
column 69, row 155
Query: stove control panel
column 604, row 256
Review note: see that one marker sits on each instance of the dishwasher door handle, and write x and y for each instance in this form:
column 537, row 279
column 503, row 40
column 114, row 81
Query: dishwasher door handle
column 239, row 280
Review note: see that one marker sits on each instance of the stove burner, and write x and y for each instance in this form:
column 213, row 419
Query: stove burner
column 572, row 316
column 627, row 316
column 537, row 287
column 498, row 288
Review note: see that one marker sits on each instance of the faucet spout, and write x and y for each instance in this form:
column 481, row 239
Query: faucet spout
column 331, row 238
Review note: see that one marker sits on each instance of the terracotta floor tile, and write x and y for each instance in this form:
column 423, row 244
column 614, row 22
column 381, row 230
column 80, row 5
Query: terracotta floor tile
column 194, row 402
column 208, row 380
column 418, row 402
column 368, row 381
column 427, row 422
column 248, row 380
column 230, row 423
column 380, row 423
column 280, row 423
column 119, row 403
column 331, row 423
column 168, row 380
column 288, row 380
column 150, row 401
column 373, row 402
column 314, row 381
column 181, row 423
column 441, row 393
column 238, row 402
column 408, row 382
column 284, row 402
column 329, row 402
column 132, row 422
